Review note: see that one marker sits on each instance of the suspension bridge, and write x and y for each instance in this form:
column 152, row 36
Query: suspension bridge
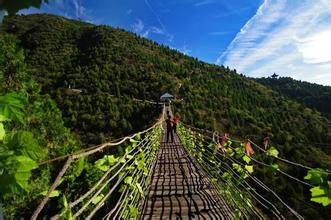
column 189, row 178
column 180, row 188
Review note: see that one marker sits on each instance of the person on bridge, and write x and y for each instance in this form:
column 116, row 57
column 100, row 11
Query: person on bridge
column 168, row 114
column 175, row 121
column 169, row 124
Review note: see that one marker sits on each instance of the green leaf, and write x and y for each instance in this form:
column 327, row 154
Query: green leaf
column 140, row 189
column 128, row 149
column 246, row 159
column 12, row 105
column 2, row 132
column 226, row 175
column 122, row 188
column 274, row 168
column 140, row 164
column 106, row 162
column 214, row 180
column 273, row 152
column 5, row 152
column 64, row 201
column 316, row 176
column 79, row 167
column 97, row 199
column 133, row 211
column 24, row 143
column 130, row 168
column 3, row 118
column 67, row 214
column 249, row 169
column 55, row 193
column 199, row 155
column 146, row 171
column 321, row 195
column 240, row 152
column 238, row 213
column 23, row 172
column 133, row 140
column 122, row 160
column 112, row 160
column 101, row 164
column 129, row 157
column 236, row 166
column 128, row 180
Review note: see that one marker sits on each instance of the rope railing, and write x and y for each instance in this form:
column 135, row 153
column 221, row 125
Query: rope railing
column 136, row 201
column 235, row 188
column 259, row 148
column 278, row 170
column 246, row 207
column 259, row 183
column 116, row 174
column 73, row 204
column 288, row 161
column 129, row 161
column 264, row 164
column 246, row 186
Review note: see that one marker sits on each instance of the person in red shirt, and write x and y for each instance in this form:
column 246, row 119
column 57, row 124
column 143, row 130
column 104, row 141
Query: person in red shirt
column 175, row 121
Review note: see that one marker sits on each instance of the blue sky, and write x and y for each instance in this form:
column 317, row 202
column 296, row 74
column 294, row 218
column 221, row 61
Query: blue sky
column 256, row 37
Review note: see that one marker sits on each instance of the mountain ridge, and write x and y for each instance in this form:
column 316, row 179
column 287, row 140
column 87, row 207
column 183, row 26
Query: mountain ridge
column 313, row 95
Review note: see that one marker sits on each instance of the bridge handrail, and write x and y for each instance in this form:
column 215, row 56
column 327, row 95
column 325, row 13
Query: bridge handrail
column 90, row 151
column 258, row 147
column 263, row 186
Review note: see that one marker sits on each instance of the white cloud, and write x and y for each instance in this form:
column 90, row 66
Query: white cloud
column 287, row 37
column 73, row 9
column 80, row 10
column 316, row 48
column 163, row 30
column 185, row 50
column 138, row 27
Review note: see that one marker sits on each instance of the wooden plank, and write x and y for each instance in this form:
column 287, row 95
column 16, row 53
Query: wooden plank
column 180, row 188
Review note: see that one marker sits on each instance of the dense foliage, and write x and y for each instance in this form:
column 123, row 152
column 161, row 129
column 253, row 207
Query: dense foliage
column 31, row 130
column 110, row 67
column 312, row 95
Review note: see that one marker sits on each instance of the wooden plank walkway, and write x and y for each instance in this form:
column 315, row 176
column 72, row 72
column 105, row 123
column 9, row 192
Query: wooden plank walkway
column 181, row 189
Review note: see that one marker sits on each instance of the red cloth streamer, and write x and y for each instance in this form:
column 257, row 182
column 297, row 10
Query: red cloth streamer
column 224, row 139
column 248, row 148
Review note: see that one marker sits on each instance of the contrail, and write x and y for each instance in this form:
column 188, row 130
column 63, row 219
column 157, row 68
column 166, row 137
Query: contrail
column 157, row 17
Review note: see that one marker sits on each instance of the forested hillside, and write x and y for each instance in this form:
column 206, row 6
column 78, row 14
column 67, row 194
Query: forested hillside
column 312, row 95
column 111, row 67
